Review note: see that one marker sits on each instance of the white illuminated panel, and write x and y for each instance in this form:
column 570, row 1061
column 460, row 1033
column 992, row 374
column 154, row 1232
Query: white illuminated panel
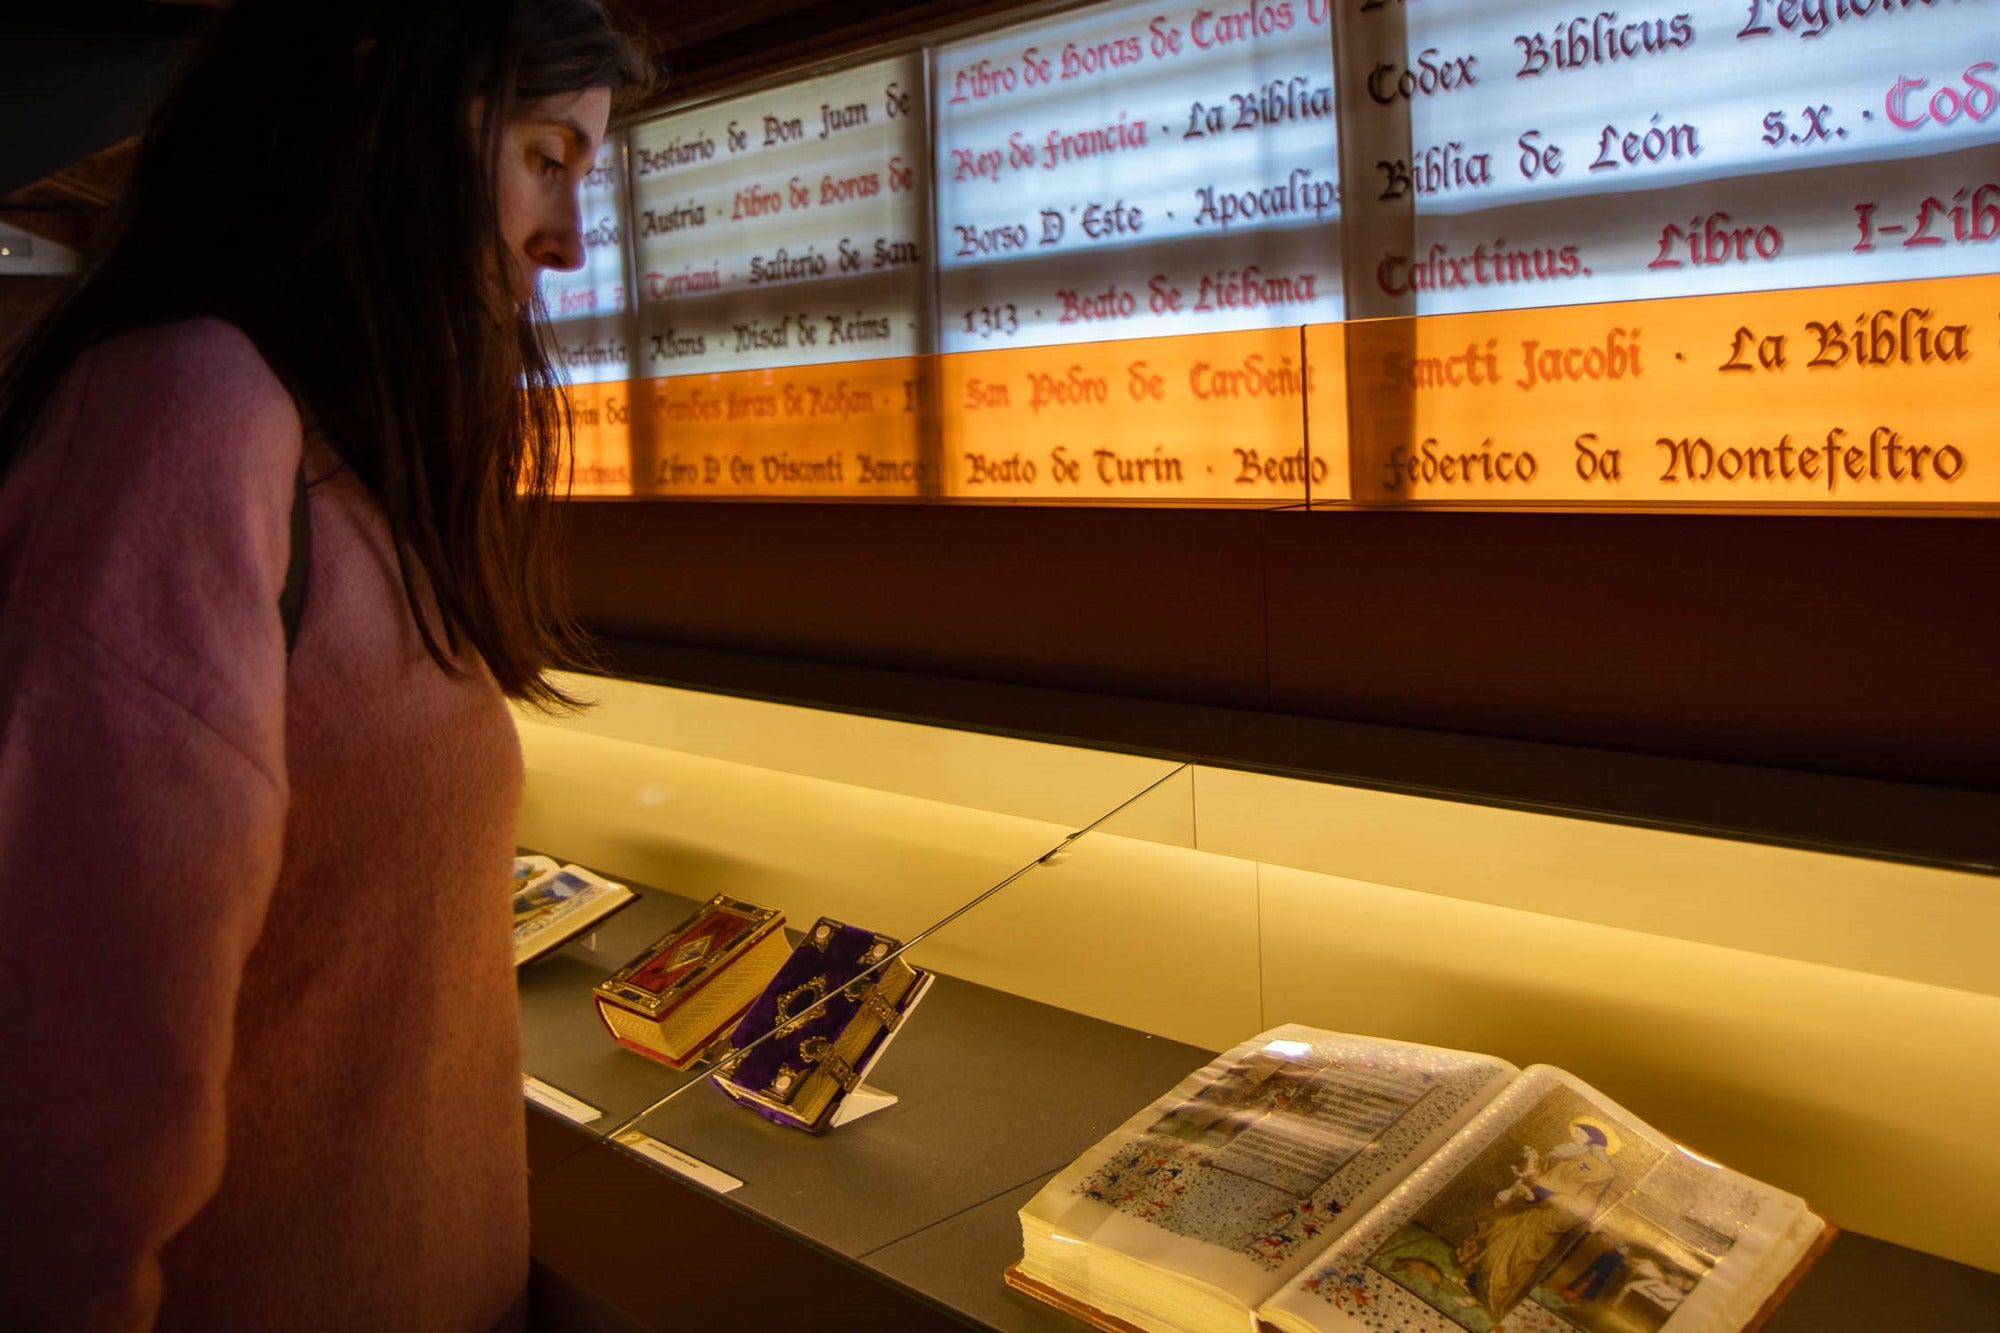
column 1133, row 170
column 1566, row 153
column 783, row 228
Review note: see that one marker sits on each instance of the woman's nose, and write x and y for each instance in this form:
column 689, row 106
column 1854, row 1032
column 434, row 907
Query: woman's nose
column 560, row 245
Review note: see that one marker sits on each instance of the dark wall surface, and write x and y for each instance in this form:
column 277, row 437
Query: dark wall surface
column 70, row 89
column 1860, row 646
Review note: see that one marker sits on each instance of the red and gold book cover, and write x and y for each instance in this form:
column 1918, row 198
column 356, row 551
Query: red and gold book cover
column 674, row 999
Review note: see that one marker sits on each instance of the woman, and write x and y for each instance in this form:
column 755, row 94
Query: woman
column 260, row 1067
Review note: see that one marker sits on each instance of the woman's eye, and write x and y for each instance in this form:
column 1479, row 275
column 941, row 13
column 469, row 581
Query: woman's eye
column 551, row 166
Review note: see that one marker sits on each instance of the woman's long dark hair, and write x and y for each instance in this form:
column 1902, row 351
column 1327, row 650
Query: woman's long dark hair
column 321, row 177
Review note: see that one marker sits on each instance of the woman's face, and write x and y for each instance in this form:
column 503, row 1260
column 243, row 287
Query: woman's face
column 545, row 152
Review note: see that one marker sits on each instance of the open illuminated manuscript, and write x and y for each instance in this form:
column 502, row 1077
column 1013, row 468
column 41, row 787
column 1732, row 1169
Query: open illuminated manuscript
column 554, row 904
column 1315, row 1181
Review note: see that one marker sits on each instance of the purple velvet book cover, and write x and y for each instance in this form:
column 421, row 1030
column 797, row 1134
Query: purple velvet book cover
column 798, row 1076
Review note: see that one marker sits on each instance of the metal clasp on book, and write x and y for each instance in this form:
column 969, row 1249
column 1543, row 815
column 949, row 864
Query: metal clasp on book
column 819, row 1051
column 874, row 1002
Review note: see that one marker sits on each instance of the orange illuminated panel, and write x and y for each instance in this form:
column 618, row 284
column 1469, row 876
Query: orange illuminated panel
column 1205, row 418
column 1879, row 394
column 601, row 422
column 843, row 429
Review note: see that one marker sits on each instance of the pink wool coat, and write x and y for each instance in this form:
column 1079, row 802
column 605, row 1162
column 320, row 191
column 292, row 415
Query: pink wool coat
column 259, row 1050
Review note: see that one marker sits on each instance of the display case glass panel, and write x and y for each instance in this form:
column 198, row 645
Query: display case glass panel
column 1720, row 986
column 885, row 825
column 1819, row 1018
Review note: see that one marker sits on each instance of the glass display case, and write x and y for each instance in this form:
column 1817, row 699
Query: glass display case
column 1099, row 923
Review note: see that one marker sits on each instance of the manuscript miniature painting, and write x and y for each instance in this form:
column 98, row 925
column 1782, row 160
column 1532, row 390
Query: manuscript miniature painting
column 1535, row 1231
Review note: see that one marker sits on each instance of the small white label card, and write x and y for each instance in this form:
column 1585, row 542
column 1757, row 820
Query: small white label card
column 678, row 1162
column 554, row 1099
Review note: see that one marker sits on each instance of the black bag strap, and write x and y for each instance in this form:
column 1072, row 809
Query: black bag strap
column 292, row 598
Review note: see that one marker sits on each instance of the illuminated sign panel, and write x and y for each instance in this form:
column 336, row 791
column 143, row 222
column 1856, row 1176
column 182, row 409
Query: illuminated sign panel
column 1124, row 173
column 1865, row 395
column 782, row 271
column 1560, row 153
column 1718, row 254
column 1131, row 170
column 794, row 431
column 1216, row 417
column 1710, row 255
column 784, row 228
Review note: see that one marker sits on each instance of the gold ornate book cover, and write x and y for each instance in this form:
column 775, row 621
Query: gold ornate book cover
column 672, row 1001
